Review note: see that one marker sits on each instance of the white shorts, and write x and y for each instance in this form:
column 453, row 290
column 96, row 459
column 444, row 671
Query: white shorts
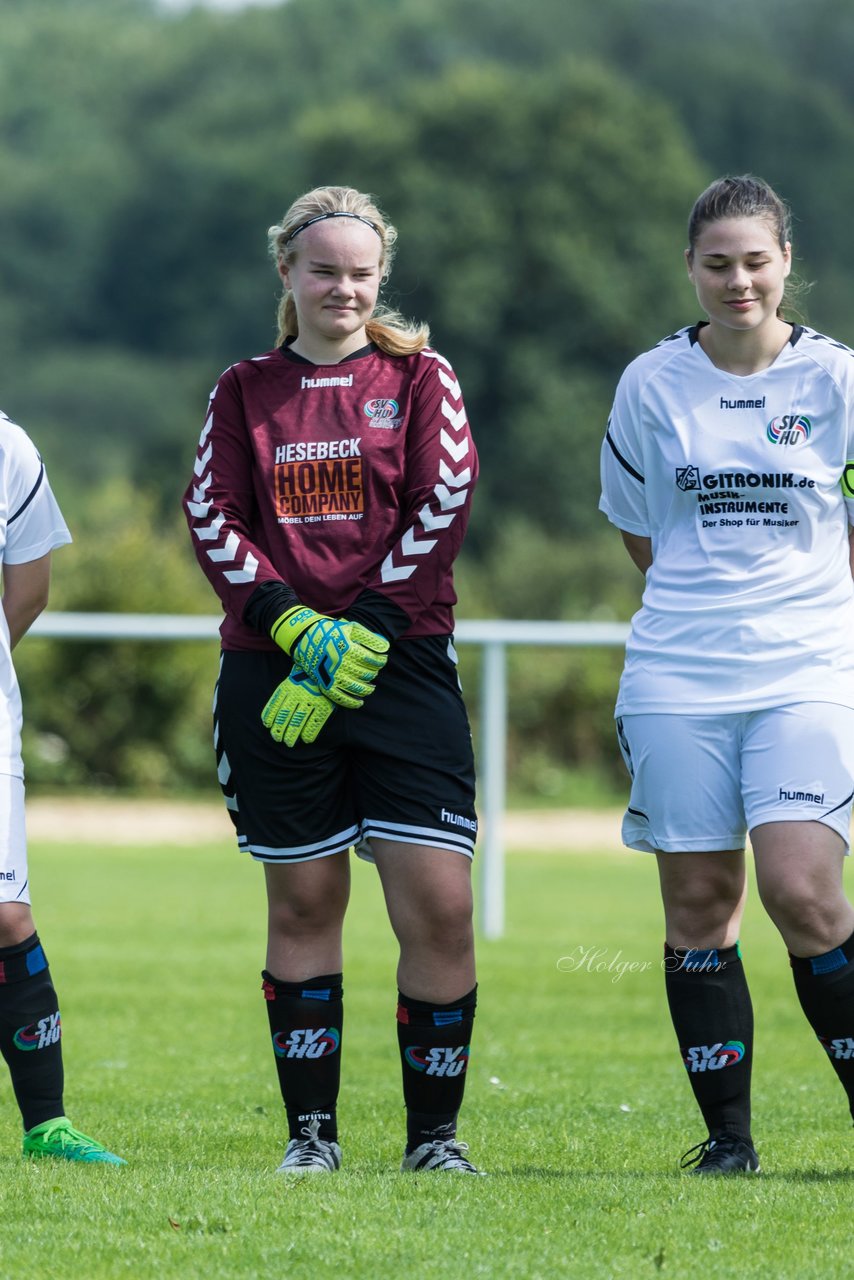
column 14, row 876
column 702, row 782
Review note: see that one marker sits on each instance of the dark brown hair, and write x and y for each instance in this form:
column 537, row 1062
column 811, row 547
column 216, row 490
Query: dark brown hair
column 741, row 197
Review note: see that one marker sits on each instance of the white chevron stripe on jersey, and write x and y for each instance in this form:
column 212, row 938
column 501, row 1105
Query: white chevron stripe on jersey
column 228, row 552
column 448, row 499
column 452, row 480
column 434, row 355
column 411, row 547
column 200, row 506
column 450, row 384
column 431, row 521
column 246, row 574
column 208, row 532
column 456, row 448
column 201, row 463
column 394, row 573
column 456, row 417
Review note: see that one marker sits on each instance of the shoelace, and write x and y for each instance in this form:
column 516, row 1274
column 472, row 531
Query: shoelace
column 723, row 1145
column 68, row 1137
column 311, row 1150
column 696, row 1154
column 454, row 1154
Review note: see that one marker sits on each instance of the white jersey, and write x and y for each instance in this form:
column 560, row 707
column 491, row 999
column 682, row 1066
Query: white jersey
column 31, row 525
column 745, row 485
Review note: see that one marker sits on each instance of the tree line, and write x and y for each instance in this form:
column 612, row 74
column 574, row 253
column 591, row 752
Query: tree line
column 539, row 162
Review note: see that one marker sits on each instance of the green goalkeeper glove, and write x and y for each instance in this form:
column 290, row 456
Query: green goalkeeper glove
column 297, row 709
column 342, row 657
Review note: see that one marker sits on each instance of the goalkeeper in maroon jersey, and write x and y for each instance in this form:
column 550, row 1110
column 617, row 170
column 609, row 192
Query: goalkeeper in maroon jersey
column 330, row 497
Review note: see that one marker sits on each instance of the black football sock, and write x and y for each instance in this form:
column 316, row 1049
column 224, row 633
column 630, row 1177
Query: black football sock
column 825, row 987
column 305, row 1022
column 713, row 1019
column 31, row 1031
column 434, row 1042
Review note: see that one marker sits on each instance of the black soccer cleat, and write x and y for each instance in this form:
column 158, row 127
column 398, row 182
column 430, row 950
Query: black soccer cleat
column 721, row 1155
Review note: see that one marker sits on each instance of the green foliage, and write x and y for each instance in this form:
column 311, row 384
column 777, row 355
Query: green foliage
column 121, row 714
column 539, row 160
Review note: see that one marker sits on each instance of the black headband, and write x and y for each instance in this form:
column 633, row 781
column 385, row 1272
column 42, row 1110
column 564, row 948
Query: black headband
column 320, row 217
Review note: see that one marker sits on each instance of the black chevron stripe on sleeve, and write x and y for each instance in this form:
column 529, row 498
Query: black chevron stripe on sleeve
column 622, row 461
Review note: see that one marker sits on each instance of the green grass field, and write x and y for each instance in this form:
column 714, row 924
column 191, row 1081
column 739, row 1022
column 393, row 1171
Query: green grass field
column 577, row 1103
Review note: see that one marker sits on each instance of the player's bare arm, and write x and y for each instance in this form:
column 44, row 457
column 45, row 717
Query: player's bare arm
column 25, row 593
column 640, row 549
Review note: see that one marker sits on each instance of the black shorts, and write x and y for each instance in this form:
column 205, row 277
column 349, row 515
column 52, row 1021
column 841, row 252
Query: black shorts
column 400, row 768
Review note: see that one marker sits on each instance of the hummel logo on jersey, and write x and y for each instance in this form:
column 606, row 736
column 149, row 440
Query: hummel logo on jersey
column 713, row 1057
column 308, row 1042
column 687, row 478
column 840, row 1049
column 39, row 1035
column 439, row 1061
column 7, row 875
column 813, row 796
column 310, row 384
column 742, row 404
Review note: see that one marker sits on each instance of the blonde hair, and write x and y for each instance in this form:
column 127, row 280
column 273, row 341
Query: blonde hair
column 386, row 327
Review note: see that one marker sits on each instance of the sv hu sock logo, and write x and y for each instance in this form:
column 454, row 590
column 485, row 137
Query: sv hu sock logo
column 840, row 1049
column 713, row 1057
column 308, row 1042
column 438, row 1061
column 39, row 1035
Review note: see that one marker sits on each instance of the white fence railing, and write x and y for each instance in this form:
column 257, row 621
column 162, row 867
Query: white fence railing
column 493, row 636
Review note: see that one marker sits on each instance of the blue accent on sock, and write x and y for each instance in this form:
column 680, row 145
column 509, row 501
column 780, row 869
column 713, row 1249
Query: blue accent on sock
column 445, row 1017
column 36, row 960
column 700, row 958
column 829, row 962
column 317, row 993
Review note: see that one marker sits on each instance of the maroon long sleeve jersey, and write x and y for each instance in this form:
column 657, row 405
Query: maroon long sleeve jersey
column 333, row 479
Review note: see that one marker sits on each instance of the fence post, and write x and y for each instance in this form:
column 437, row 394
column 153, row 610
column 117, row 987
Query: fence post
column 492, row 770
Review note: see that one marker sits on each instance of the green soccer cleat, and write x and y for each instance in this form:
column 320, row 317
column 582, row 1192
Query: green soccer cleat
column 57, row 1138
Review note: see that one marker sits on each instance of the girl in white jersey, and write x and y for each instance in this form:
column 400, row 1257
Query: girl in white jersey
column 728, row 467
column 31, row 525
column 331, row 492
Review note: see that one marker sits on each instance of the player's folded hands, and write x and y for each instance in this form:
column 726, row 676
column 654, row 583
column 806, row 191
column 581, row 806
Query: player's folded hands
column 298, row 709
column 341, row 657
